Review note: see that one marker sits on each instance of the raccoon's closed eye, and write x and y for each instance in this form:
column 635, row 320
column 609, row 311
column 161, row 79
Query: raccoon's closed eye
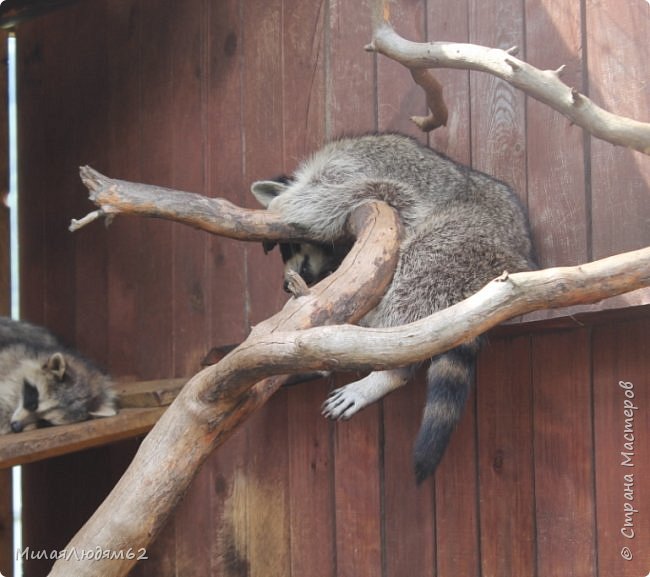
column 30, row 396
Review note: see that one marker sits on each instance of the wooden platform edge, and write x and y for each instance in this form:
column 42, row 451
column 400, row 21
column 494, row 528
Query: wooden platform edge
column 30, row 446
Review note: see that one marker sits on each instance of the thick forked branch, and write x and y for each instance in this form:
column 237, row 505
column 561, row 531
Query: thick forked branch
column 217, row 399
column 215, row 215
column 543, row 85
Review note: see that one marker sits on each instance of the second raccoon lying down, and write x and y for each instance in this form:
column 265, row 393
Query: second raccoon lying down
column 462, row 228
column 43, row 383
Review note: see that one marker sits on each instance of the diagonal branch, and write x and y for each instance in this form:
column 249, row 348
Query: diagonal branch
column 220, row 397
column 543, row 85
column 510, row 295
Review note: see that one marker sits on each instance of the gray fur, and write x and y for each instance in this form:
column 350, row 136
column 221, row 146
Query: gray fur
column 462, row 228
column 42, row 382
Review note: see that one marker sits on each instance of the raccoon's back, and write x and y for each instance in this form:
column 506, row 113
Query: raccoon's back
column 19, row 332
column 446, row 261
column 415, row 180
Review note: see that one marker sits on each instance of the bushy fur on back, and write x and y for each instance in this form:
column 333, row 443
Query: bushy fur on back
column 462, row 228
column 43, row 383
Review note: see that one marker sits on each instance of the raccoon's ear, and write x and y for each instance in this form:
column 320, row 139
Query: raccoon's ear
column 266, row 190
column 106, row 410
column 56, row 365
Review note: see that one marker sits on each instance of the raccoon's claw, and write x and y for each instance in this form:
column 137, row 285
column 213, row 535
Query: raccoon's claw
column 341, row 404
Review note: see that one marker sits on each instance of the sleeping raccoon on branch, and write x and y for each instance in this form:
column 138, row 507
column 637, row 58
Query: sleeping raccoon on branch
column 462, row 228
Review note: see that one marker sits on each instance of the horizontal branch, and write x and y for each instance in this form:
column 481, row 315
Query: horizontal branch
column 543, row 85
column 357, row 348
column 215, row 215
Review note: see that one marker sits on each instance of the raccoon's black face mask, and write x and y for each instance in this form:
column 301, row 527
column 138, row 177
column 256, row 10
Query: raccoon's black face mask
column 313, row 262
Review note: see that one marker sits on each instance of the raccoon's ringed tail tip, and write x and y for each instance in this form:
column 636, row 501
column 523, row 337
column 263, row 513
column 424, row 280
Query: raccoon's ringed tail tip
column 423, row 469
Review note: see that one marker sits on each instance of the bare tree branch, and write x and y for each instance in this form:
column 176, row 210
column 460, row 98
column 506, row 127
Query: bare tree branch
column 543, row 85
column 438, row 109
column 215, row 215
column 220, row 397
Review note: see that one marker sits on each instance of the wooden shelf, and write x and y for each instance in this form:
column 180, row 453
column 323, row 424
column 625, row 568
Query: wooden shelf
column 142, row 405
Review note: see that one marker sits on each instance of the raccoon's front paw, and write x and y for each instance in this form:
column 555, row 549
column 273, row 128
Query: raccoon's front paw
column 343, row 403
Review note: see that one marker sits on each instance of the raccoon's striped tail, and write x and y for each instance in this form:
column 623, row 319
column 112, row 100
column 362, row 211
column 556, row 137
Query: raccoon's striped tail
column 449, row 381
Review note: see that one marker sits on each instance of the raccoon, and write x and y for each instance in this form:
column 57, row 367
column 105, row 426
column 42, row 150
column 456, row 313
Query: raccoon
column 462, row 228
column 43, row 383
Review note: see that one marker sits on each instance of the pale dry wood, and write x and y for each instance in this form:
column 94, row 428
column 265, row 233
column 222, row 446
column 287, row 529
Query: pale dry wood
column 148, row 394
column 216, row 400
column 543, row 85
column 214, row 215
column 438, row 113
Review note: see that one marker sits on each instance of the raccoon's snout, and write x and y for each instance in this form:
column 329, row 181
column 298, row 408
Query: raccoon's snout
column 16, row 426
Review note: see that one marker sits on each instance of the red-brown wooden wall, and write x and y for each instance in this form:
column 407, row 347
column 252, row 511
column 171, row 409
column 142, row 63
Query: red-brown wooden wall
column 208, row 96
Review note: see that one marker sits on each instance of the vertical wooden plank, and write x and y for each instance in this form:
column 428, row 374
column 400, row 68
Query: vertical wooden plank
column 84, row 90
column 498, row 120
column 124, row 237
column 398, row 97
column 267, row 490
column 351, row 105
column 310, row 483
column 554, row 147
column 456, row 480
column 622, row 437
column 351, row 96
column 127, row 244
column 357, row 495
column 187, row 44
column 450, row 22
column 310, row 466
column 617, row 41
column 408, row 510
column 154, row 296
column 456, row 504
column 563, row 440
column 229, row 292
column 36, row 78
column 264, row 136
column 304, row 79
column 228, row 298
column 153, row 328
column 190, row 275
column 505, row 432
column 228, row 511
